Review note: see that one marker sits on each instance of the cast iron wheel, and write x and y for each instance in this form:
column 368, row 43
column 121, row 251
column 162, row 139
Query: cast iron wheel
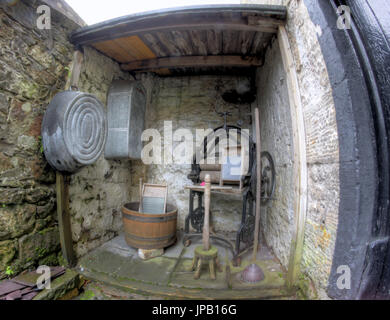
column 197, row 219
column 267, row 177
column 202, row 152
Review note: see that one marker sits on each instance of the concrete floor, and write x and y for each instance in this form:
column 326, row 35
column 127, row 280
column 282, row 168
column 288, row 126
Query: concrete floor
column 117, row 265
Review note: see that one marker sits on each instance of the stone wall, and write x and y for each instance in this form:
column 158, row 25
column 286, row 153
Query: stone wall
column 34, row 67
column 98, row 191
column 277, row 217
column 322, row 146
column 32, row 70
column 189, row 103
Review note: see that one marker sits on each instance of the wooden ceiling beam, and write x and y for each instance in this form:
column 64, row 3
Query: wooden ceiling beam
column 191, row 62
column 236, row 18
column 223, row 26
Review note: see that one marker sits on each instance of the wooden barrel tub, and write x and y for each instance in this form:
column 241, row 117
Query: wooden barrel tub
column 149, row 231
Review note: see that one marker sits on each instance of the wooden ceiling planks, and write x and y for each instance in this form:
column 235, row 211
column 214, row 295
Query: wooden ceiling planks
column 128, row 49
column 153, row 43
column 207, row 31
column 136, row 47
column 259, row 18
column 214, row 41
column 167, row 40
column 199, row 42
column 245, row 41
column 260, row 41
column 184, row 43
column 111, row 49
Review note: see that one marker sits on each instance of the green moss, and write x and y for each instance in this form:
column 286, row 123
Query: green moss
column 88, row 295
column 61, row 260
column 29, row 89
column 304, row 288
column 41, row 252
column 40, row 145
column 9, row 272
column 45, row 231
column 69, row 72
column 50, row 260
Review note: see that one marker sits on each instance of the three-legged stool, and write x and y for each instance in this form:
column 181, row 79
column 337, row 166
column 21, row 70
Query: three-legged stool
column 209, row 257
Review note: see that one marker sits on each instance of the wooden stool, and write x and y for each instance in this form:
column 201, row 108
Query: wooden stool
column 201, row 257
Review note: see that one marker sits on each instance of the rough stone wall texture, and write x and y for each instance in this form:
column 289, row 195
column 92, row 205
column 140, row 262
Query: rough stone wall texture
column 322, row 145
column 97, row 192
column 277, row 217
column 32, row 71
column 189, row 103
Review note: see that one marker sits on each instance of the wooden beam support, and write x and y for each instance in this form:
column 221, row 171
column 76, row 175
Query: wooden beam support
column 258, row 185
column 62, row 180
column 64, row 224
column 300, row 161
column 191, row 62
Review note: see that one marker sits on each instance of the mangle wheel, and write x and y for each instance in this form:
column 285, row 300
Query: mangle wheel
column 268, row 175
column 197, row 219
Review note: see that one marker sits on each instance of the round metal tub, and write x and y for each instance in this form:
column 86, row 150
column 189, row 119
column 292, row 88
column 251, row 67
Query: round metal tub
column 74, row 130
column 149, row 231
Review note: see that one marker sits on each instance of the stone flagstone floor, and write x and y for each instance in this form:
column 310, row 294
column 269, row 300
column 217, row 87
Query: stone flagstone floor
column 117, row 266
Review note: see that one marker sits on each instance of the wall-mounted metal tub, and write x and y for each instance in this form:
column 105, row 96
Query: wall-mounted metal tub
column 74, row 130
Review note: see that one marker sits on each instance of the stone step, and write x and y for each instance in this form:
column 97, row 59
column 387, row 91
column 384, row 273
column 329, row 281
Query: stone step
column 61, row 286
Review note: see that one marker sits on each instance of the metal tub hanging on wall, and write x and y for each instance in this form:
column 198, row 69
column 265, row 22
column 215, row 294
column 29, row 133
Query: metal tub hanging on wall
column 74, row 131
column 126, row 105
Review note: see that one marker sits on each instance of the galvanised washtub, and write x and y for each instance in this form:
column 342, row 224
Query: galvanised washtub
column 74, row 131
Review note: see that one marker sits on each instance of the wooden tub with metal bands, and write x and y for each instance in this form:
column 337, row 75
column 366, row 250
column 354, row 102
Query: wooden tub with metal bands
column 149, row 231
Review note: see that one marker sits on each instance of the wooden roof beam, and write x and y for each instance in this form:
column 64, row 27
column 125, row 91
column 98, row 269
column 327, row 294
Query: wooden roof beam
column 191, row 62
column 258, row 18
